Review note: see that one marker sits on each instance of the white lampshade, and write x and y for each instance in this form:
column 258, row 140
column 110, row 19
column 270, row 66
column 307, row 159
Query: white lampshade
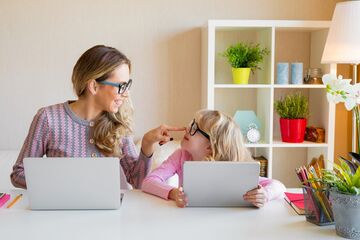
column 343, row 40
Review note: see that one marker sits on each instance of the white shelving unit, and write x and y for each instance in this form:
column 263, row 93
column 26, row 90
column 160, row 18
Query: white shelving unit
column 288, row 41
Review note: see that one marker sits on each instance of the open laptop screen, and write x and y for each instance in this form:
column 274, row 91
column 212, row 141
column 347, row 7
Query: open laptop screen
column 73, row 183
column 219, row 184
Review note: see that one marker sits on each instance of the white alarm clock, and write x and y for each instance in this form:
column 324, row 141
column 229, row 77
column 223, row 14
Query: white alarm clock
column 253, row 134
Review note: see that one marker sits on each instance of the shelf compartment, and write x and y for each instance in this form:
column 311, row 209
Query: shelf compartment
column 257, row 100
column 224, row 37
column 264, row 152
column 300, row 45
column 285, row 160
column 318, row 106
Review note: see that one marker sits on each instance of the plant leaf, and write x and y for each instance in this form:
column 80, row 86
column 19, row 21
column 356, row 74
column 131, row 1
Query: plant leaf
column 356, row 178
column 293, row 106
column 244, row 55
column 355, row 190
column 342, row 173
column 350, row 164
column 355, row 158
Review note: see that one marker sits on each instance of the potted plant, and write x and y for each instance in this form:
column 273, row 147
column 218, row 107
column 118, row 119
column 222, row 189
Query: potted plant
column 344, row 180
column 293, row 111
column 344, row 185
column 244, row 57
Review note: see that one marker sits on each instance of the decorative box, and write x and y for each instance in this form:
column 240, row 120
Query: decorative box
column 315, row 134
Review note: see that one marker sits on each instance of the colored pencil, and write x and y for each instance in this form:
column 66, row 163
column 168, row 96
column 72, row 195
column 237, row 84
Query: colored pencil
column 14, row 201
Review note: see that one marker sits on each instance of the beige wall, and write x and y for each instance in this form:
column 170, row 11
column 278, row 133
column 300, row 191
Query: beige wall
column 40, row 40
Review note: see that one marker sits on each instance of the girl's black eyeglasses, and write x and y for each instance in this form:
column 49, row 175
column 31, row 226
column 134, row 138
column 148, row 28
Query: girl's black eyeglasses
column 194, row 128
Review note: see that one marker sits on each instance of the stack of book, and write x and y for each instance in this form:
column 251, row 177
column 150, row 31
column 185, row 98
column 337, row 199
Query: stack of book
column 263, row 165
column 4, row 198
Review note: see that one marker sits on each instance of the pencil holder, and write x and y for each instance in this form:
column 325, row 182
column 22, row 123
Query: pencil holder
column 317, row 206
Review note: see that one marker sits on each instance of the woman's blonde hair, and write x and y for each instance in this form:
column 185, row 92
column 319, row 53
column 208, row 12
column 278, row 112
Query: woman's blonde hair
column 225, row 136
column 97, row 63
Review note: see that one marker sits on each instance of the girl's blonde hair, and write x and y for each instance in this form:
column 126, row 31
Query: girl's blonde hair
column 225, row 136
column 97, row 63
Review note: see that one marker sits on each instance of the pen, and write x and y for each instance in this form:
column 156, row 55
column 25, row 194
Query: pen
column 161, row 143
column 14, row 201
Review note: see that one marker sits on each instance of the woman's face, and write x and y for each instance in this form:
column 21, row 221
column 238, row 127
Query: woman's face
column 108, row 97
column 197, row 145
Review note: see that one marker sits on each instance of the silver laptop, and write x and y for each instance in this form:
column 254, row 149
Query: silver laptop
column 219, row 184
column 73, row 183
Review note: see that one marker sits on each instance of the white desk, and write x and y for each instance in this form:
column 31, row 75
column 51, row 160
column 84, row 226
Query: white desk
column 143, row 216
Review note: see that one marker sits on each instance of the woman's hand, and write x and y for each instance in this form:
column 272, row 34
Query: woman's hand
column 160, row 134
column 178, row 196
column 256, row 196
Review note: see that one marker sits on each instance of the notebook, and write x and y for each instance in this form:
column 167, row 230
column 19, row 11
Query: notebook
column 73, row 183
column 296, row 201
column 219, row 184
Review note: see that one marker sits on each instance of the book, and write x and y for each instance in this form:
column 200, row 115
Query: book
column 4, row 198
column 296, row 201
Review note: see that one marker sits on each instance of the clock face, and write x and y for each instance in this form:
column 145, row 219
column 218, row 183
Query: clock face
column 253, row 135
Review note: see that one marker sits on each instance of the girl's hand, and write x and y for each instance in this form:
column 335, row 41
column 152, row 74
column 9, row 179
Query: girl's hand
column 160, row 134
column 178, row 196
column 256, row 196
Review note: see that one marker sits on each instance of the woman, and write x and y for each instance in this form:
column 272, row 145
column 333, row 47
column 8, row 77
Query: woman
column 98, row 124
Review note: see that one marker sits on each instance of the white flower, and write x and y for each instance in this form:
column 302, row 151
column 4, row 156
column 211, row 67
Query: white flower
column 335, row 84
column 350, row 103
column 352, row 96
column 335, row 98
column 339, row 90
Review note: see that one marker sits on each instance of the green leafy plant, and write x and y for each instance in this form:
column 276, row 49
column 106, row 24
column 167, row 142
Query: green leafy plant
column 245, row 55
column 345, row 178
column 294, row 106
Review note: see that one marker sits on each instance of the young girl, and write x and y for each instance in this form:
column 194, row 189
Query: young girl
column 212, row 136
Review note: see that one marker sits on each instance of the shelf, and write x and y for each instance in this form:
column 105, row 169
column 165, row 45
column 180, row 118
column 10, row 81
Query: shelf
column 242, row 86
column 284, row 25
column 288, row 41
column 279, row 143
column 299, row 86
column 257, row 145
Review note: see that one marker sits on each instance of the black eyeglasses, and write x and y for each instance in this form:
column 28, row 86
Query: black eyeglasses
column 123, row 87
column 194, row 128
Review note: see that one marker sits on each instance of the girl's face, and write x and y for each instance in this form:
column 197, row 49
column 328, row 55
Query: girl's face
column 108, row 97
column 196, row 144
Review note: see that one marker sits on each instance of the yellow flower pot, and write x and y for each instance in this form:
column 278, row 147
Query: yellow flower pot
column 241, row 75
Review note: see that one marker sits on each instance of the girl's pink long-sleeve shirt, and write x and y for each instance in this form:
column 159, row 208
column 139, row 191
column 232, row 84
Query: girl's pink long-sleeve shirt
column 155, row 182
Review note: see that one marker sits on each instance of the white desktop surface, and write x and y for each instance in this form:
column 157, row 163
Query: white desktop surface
column 143, row 217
